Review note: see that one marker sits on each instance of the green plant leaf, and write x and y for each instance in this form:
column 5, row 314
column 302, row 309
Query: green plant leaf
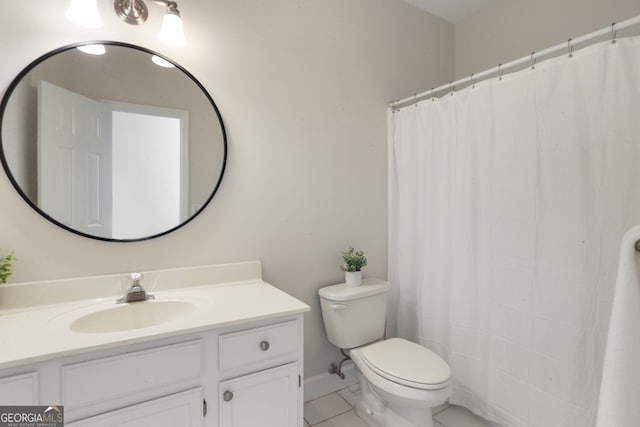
column 5, row 267
column 353, row 259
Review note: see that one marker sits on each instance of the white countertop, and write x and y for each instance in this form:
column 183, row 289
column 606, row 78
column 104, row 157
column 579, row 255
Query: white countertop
column 35, row 333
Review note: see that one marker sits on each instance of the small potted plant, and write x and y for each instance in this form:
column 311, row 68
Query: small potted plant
column 5, row 267
column 354, row 260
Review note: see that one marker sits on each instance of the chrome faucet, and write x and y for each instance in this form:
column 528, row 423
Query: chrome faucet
column 136, row 291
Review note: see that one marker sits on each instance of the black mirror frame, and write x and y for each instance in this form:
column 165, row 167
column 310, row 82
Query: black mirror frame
column 14, row 83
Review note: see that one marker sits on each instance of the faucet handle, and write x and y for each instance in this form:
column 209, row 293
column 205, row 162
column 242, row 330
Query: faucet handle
column 135, row 278
column 136, row 291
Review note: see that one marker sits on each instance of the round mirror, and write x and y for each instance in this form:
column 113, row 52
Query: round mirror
column 112, row 141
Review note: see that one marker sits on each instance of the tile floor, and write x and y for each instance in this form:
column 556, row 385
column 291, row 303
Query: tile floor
column 336, row 410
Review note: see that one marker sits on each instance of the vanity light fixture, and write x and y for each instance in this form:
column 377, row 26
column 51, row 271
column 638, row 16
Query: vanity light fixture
column 134, row 12
column 172, row 32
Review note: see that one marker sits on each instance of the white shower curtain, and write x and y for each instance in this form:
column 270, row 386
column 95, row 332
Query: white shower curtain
column 507, row 204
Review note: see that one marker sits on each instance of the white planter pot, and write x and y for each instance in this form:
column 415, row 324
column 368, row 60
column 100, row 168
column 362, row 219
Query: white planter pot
column 353, row 278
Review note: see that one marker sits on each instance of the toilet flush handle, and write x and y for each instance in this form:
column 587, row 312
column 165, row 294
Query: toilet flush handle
column 338, row 306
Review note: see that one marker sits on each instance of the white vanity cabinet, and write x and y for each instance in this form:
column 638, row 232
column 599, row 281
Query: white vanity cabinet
column 221, row 349
column 244, row 375
column 264, row 380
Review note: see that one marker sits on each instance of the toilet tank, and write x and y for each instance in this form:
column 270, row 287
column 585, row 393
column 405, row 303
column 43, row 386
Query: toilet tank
column 354, row 315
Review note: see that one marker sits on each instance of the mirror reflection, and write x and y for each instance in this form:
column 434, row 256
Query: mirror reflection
column 123, row 145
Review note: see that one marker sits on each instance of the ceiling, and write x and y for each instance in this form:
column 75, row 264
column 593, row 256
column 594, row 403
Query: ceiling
column 451, row 10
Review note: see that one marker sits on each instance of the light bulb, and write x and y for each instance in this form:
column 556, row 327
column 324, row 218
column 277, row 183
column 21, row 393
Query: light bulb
column 172, row 32
column 84, row 13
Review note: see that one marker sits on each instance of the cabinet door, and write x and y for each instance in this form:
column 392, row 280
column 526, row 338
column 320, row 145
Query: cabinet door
column 180, row 409
column 19, row 389
column 267, row 398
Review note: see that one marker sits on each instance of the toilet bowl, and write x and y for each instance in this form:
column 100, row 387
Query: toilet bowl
column 400, row 380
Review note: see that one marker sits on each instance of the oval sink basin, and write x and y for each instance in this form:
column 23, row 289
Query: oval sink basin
column 131, row 316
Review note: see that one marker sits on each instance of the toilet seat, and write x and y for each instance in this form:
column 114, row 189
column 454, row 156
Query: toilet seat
column 407, row 363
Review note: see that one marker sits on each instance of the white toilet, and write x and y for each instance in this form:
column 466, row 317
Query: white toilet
column 400, row 380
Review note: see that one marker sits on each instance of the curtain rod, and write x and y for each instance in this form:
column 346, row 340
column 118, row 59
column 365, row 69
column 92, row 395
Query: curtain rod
column 567, row 46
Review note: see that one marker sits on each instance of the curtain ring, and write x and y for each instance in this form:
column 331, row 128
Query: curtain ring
column 431, row 95
column 500, row 70
column 613, row 33
column 452, row 88
column 473, row 82
column 533, row 60
column 570, row 47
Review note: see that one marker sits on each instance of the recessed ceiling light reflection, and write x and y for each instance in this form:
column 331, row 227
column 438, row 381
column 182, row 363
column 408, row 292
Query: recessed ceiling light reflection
column 92, row 49
column 161, row 62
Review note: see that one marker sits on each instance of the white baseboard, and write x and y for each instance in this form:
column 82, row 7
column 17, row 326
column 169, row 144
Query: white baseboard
column 320, row 385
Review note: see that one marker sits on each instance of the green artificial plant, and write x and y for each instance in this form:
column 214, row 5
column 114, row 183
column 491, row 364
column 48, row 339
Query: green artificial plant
column 5, row 267
column 353, row 260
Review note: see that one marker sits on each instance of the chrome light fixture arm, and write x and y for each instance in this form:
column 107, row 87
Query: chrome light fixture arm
column 132, row 12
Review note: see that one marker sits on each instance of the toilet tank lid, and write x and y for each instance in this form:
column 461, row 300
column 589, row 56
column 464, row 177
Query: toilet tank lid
column 342, row 292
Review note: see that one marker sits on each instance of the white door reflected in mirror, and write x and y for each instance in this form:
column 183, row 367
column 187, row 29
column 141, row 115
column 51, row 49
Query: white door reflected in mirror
column 130, row 177
column 74, row 159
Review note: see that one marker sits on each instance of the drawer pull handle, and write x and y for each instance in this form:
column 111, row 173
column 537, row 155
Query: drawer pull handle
column 227, row 396
column 264, row 345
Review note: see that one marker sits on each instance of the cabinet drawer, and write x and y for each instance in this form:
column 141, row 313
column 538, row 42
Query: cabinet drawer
column 259, row 345
column 139, row 374
column 180, row 409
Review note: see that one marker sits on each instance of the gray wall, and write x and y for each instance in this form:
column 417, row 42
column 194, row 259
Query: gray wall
column 512, row 29
column 303, row 87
